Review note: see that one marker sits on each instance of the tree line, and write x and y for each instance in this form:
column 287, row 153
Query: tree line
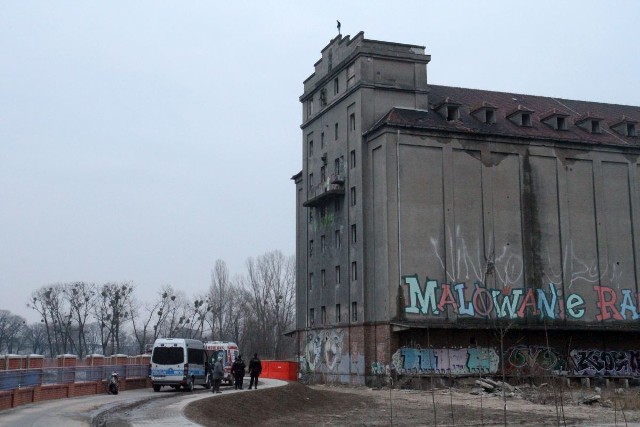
column 254, row 310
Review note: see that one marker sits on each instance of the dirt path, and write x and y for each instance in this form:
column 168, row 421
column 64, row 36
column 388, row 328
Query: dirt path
column 297, row 404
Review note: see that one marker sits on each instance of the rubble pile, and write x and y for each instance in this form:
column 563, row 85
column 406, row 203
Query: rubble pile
column 489, row 387
column 543, row 393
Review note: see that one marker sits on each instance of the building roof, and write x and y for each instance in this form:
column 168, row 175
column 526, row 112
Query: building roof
column 507, row 105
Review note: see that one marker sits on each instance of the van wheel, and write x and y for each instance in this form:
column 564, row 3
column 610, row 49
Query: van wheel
column 156, row 388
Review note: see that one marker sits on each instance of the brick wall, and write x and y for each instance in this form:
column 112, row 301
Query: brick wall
column 16, row 368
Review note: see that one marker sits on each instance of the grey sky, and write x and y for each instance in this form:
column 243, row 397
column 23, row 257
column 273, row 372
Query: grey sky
column 141, row 141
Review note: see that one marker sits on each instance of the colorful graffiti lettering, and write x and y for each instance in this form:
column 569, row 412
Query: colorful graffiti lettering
column 433, row 299
column 607, row 363
column 530, row 360
column 445, row 361
column 379, row 368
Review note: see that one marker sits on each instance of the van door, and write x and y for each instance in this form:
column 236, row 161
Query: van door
column 167, row 363
column 197, row 358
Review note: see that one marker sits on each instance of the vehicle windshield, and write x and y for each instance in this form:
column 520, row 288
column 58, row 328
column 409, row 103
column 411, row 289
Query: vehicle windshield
column 168, row 355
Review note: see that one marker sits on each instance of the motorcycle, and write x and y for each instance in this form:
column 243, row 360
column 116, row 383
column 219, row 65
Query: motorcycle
column 113, row 384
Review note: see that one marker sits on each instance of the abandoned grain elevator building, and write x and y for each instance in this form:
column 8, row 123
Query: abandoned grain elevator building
column 452, row 231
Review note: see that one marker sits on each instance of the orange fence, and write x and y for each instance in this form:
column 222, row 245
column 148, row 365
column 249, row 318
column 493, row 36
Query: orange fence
column 280, row 370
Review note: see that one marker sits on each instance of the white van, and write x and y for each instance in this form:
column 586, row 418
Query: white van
column 179, row 362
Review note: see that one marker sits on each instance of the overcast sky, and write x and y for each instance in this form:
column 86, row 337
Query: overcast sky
column 142, row 140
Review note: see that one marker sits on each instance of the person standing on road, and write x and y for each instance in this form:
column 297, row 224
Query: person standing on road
column 255, row 368
column 216, row 375
column 237, row 369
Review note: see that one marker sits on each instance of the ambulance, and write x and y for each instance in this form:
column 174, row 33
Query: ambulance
column 225, row 351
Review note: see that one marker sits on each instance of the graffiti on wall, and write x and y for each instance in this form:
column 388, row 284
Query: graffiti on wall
column 445, row 360
column 533, row 359
column 520, row 359
column 468, row 260
column 609, row 363
column 433, row 299
column 323, row 351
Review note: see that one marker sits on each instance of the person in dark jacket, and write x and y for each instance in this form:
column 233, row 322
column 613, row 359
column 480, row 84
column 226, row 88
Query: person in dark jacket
column 237, row 369
column 216, row 375
column 255, row 368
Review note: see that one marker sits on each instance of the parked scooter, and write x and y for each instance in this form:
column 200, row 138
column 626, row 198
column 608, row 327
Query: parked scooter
column 113, row 384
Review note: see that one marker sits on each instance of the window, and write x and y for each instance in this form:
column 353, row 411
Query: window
column 323, row 244
column 310, row 215
column 168, row 355
column 310, row 107
column 196, row 355
column 323, row 315
column 558, row 120
column 322, row 140
column 489, row 116
column 561, row 123
column 354, row 237
column 323, row 173
column 323, row 211
column 336, row 86
column 624, row 127
column 310, row 281
column 310, row 248
column 352, row 122
column 338, row 165
column 452, row 112
column 337, row 205
column 337, row 274
column 310, row 148
column 335, row 131
column 310, row 182
column 526, row 119
column 354, row 271
column 322, row 278
column 323, row 98
column 353, row 196
column 312, row 319
column 338, row 315
column 595, row 126
column 354, row 311
column 351, row 75
column 353, row 158
column 338, row 239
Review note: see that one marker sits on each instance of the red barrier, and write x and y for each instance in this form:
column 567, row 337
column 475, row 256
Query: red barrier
column 280, row 370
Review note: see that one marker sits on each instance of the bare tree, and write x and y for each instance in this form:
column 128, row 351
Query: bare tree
column 81, row 299
column 111, row 313
column 220, row 295
column 271, row 283
column 36, row 338
column 146, row 319
column 48, row 301
column 197, row 316
column 12, row 328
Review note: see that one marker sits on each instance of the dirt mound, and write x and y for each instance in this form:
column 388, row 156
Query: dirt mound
column 323, row 405
column 283, row 406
